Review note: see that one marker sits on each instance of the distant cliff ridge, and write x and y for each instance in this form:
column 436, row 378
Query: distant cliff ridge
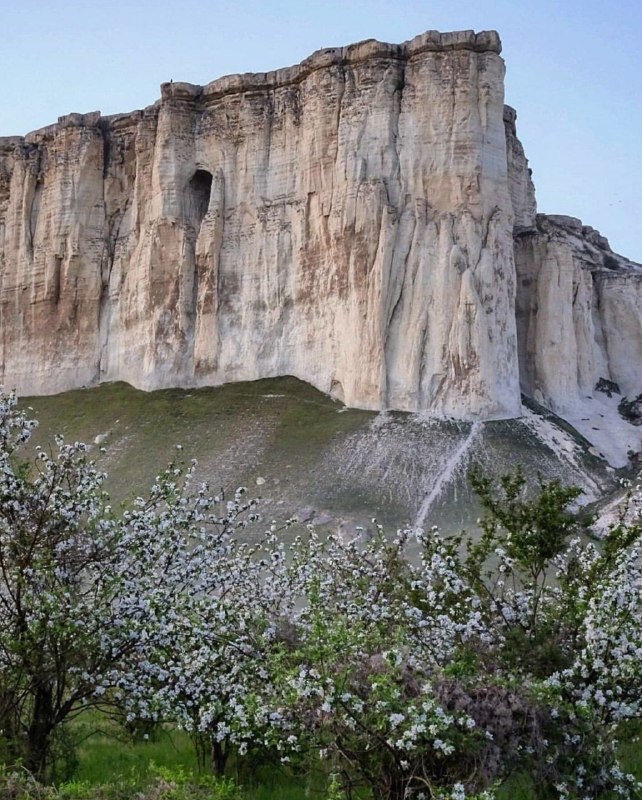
column 364, row 221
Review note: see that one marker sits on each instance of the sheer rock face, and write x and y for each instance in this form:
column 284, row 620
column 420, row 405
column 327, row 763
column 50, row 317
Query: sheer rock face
column 520, row 184
column 348, row 221
column 579, row 314
column 578, row 304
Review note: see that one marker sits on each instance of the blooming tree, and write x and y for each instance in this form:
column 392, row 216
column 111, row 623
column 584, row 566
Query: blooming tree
column 440, row 675
column 85, row 593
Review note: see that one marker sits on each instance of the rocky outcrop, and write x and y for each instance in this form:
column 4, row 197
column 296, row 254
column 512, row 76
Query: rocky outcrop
column 520, row 183
column 579, row 326
column 579, row 314
column 348, row 221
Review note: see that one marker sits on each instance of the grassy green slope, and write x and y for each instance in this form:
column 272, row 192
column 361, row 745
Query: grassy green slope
column 303, row 453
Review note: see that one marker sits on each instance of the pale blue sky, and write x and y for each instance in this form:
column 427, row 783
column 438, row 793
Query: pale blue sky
column 574, row 72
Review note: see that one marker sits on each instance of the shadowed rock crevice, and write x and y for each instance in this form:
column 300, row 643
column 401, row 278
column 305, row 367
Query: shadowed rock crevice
column 199, row 193
column 34, row 211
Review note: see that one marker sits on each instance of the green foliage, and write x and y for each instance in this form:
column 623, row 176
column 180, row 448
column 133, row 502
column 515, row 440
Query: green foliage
column 533, row 531
column 167, row 784
column 335, row 788
column 521, row 537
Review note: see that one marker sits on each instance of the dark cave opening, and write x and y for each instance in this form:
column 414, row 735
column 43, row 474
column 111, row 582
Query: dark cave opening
column 200, row 189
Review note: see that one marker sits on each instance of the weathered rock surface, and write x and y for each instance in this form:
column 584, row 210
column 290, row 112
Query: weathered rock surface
column 348, row 221
column 579, row 314
column 579, row 328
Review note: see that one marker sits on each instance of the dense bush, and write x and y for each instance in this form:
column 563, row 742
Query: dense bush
column 441, row 675
column 436, row 675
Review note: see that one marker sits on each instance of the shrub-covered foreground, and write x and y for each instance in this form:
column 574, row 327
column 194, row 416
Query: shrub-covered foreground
column 438, row 675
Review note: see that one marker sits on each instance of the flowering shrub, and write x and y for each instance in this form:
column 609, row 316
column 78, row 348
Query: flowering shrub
column 438, row 676
column 85, row 593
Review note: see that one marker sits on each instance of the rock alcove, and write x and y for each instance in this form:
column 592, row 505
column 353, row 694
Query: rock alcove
column 199, row 191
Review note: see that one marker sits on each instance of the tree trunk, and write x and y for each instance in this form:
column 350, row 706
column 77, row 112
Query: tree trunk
column 8, row 725
column 219, row 758
column 39, row 734
column 389, row 787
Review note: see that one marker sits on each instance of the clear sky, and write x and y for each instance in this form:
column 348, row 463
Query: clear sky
column 574, row 72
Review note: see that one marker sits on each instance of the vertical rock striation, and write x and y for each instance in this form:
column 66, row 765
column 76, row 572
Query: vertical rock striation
column 579, row 314
column 348, row 221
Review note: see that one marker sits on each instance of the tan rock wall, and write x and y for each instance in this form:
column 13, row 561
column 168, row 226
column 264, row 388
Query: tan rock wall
column 357, row 234
column 579, row 314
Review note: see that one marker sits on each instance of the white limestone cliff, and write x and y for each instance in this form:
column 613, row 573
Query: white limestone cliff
column 579, row 324
column 579, row 313
column 348, row 221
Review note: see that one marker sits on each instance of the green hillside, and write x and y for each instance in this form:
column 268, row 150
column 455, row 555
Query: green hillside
column 306, row 455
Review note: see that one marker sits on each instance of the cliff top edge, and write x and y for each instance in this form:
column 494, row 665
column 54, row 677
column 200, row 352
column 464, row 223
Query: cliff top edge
column 429, row 41
column 368, row 49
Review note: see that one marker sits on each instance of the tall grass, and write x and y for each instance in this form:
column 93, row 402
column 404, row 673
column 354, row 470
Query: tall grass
column 107, row 752
column 109, row 757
